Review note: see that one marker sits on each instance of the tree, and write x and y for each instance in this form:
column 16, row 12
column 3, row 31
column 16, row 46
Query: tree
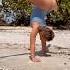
column 62, row 16
column 17, row 4
column 63, row 13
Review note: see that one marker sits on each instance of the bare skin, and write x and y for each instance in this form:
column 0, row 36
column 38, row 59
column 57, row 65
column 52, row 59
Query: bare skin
column 33, row 35
column 43, row 42
column 32, row 42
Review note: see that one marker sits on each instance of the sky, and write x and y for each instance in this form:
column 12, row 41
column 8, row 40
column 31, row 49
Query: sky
column 0, row 2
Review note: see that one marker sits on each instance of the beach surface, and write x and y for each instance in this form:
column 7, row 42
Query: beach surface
column 14, row 53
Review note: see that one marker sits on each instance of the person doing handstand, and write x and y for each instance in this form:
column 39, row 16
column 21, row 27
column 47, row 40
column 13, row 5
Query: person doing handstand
column 38, row 25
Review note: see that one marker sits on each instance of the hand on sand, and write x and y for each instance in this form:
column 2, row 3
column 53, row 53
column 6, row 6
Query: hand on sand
column 34, row 59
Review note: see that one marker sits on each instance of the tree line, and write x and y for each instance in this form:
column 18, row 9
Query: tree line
column 59, row 19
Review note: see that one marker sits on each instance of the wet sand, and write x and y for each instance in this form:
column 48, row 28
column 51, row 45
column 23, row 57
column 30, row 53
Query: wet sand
column 14, row 53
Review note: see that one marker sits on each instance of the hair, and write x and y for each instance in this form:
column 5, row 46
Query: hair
column 46, row 32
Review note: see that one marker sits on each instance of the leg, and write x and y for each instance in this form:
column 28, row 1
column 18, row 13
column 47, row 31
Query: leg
column 34, row 32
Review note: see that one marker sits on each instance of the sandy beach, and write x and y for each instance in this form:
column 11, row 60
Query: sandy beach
column 14, row 53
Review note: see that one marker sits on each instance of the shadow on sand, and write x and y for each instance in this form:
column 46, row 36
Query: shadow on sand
column 15, row 55
column 54, row 49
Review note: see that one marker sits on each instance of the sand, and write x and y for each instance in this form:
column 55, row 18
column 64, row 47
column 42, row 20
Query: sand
column 14, row 53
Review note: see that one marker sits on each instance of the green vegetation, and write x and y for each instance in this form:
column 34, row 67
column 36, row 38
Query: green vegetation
column 63, row 13
column 61, row 18
column 17, row 4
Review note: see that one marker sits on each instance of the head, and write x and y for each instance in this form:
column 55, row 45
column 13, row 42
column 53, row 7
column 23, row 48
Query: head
column 47, row 33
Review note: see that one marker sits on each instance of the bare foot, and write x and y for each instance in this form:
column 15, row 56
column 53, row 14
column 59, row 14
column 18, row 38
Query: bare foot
column 34, row 59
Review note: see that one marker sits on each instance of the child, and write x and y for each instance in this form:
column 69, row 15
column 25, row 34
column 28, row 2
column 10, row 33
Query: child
column 37, row 22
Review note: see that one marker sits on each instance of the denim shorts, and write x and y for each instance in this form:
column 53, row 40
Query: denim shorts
column 38, row 15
